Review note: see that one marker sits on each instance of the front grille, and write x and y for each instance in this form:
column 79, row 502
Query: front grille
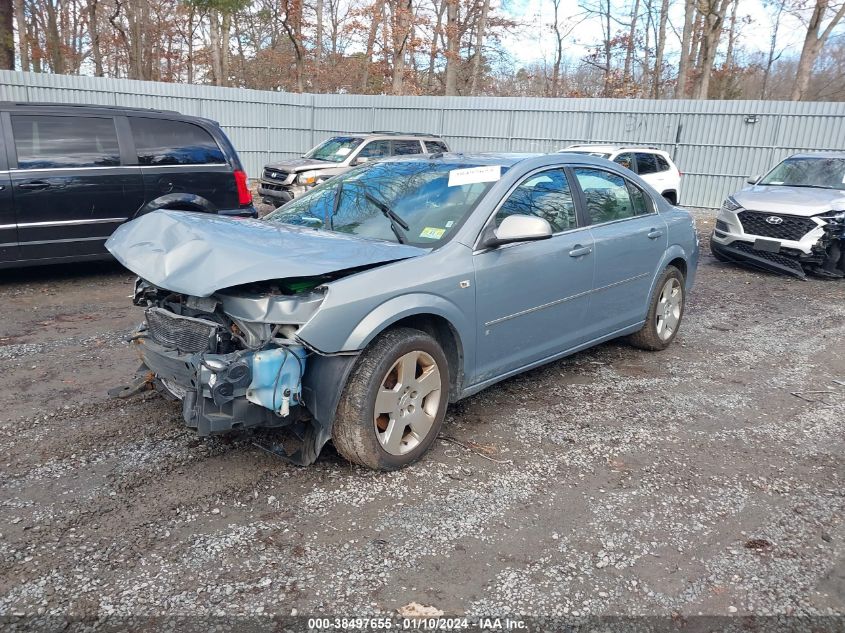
column 790, row 228
column 269, row 187
column 275, row 174
column 185, row 334
column 781, row 260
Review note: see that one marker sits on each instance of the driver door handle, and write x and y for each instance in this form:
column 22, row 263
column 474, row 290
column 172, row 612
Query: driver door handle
column 653, row 234
column 35, row 185
column 579, row 251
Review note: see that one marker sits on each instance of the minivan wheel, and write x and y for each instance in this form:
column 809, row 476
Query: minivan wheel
column 665, row 312
column 393, row 405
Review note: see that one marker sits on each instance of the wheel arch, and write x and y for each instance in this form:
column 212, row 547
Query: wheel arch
column 177, row 202
column 671, row 196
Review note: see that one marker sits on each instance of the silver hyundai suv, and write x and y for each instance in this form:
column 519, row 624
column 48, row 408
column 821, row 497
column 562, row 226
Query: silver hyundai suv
column 791, row 221
column 283, row 181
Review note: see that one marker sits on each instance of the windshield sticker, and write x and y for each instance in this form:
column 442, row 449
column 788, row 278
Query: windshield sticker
column 343, row 151
column 473, row 175
column 432, row 233
column 449, row 224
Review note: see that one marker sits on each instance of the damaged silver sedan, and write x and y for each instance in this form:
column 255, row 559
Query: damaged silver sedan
column 791, row 221
column 359, row 311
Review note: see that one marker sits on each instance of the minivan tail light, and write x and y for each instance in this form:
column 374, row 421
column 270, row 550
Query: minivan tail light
column 244, row 196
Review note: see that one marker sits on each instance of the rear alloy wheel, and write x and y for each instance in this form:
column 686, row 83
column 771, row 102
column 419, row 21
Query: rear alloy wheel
column 393, row 405
column 665, row 312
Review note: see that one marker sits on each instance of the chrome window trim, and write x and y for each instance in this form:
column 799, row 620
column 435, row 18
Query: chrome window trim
column 18, row 170
column 65, row 223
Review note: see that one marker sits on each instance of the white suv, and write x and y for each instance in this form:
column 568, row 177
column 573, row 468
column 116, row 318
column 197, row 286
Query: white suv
column 651, row 164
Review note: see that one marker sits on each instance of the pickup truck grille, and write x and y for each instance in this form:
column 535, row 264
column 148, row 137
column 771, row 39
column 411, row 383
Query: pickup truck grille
column 276, row 174
column 185, row 334
column 790, row 227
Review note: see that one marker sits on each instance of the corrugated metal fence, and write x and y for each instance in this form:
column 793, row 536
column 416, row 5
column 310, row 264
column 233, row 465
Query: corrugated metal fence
column 717, row 144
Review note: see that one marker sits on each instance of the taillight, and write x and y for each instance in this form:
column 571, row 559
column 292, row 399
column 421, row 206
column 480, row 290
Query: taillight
column 244, row 196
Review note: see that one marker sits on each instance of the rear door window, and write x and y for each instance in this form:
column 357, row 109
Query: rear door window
column 404, row 148
column 646, row 163
column 626, row 160
column 43, row 142
column 166, row 142
column 608, row 197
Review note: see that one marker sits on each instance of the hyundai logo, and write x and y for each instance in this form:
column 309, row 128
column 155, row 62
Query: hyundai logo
column 773, row 219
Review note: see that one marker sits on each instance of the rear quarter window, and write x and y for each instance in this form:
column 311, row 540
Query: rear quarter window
column 436, row 147
column 167, row 142
column 662, row 163
column 43, row 142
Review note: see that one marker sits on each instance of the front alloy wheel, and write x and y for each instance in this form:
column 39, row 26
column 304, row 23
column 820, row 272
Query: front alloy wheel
column 394, row 402
column 407, row 403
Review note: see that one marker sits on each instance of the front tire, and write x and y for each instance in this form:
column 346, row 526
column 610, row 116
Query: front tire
column 393, row 405
column 665, row 312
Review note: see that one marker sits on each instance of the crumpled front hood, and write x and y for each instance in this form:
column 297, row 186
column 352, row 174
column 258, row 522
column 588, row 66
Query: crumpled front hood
column 300, row 164
column 199, row 253
column 801, row 201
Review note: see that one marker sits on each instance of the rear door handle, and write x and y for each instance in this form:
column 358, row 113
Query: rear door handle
column 579, row 250
column 653, row 234
column 35, row 185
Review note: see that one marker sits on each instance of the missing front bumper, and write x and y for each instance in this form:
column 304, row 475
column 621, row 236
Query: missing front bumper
column 225, row 392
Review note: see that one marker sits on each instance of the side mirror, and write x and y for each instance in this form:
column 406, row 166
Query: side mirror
column 516, row 228
column 753, row 180
column 361, row 160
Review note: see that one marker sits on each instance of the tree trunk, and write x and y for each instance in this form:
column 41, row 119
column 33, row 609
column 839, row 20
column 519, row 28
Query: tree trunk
column 770, row 59
column 225, row 56
column 318, row 44
column 214, row 44
column 660, row 48
column 479, row 47
column 452, row 43
column 94, row 32
column 814, row 41
column 686, row 50
column 23, row 39
column 629, row 52
column 377, row 12
column 432, row 53
column 54, row 42
column 401, row 36
column 7, row 35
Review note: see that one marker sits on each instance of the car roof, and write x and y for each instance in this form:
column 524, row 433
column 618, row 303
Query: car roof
column 501, row 158
column 386, row 134
column 612, row 148
column 819, row 155
column 95, row 108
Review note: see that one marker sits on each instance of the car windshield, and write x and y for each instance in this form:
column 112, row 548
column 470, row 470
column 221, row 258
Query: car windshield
column 587, row 152
column 419, row 202
column 335, row 150
column 825, row 173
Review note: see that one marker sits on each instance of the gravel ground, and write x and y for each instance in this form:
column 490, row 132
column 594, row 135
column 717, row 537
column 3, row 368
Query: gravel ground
column 615, row 482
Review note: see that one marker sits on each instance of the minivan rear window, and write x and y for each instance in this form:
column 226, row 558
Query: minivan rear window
column 44, row 142
column 166, row 142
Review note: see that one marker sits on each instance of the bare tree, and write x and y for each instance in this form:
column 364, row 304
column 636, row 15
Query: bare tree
column 817, row 34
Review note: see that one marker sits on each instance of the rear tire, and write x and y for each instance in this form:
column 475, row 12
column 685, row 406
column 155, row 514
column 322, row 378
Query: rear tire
column 665, row 311
column 392, row 407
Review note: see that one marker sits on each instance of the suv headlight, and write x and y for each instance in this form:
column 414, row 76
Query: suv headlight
column 730, row 204
column 307, row 178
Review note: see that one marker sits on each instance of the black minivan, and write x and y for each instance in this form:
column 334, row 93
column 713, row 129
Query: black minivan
column 70, row 174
